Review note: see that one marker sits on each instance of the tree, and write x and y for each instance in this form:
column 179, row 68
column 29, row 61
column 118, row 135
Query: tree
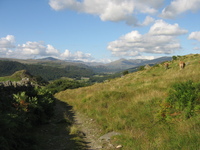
column 125, row 72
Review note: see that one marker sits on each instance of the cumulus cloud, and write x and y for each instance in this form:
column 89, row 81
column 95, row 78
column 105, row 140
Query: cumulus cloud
column 78, row 55
column 195, row 36
column 162, row 28
column 148, row 20
column 110, row 10
column 37, row 50
column 177, row 7
column 125, row 53
column 156, row 41
column 7, row 44
column 196, row 48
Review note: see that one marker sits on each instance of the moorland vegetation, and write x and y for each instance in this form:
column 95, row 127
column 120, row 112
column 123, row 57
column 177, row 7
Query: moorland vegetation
column 27, row 104
column 154, row 108
column 21, row 111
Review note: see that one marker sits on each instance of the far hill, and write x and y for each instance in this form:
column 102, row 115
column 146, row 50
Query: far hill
column 124, row 64
column 48, row 58
column 156, row 108
column 113, row 67
column 127, row 64
column 47, row 72
column 23, row 74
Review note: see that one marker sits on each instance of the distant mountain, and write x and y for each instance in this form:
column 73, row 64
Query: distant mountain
column 124, row 64
column 113, row 67
column 49, row 58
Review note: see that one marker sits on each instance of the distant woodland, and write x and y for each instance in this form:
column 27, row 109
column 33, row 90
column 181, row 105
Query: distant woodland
column 46, row 72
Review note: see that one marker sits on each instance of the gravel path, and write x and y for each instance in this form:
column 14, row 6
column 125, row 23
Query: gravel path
column 55, row 136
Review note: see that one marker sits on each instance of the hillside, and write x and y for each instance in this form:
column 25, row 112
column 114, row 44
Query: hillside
column 136, row 106
column 47, row 72
column 124, row 64
column 23, row 74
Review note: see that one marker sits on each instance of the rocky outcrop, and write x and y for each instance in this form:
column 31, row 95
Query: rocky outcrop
column 7, row 87
column 23, row 83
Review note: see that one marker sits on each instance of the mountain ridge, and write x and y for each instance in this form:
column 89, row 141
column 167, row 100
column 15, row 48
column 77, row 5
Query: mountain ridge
column 112, row 67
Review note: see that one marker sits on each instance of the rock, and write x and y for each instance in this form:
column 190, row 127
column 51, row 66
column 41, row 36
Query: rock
column 109, row 135
column 119, row 146
column 99, row 147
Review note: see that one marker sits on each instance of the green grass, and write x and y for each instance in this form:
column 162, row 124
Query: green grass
column 9, row 78
column 17, row 76
column 131, row 105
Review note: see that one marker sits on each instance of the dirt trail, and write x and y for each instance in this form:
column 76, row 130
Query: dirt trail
column 55, row 135
column 92, row 133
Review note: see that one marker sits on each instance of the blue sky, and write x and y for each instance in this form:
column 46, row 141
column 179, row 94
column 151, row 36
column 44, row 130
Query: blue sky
column 98, row 30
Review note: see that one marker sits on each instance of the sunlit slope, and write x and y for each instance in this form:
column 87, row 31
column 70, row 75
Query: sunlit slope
column 130, row 105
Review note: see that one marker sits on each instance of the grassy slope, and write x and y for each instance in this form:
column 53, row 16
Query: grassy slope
column 130, row 105
column 17, row 76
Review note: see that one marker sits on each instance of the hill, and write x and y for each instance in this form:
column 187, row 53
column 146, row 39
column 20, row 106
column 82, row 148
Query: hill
column 138, row 106
column 113, row 67
column 47, row 72
column 126, row 64
column 23, row 74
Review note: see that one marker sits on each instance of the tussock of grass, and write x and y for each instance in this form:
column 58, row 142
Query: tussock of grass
column 130, row 105
column 74, row 130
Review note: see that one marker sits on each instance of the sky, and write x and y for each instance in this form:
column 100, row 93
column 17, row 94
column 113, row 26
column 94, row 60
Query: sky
column 99, row 30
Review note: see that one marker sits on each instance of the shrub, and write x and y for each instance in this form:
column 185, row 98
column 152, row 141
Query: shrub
column 63, row 84
column 20, row 113
column 174, row 57
column 183, row 99
column 141, row 68
column 125, row 72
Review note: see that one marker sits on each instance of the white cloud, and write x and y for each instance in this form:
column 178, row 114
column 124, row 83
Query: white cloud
column 148, row 20
column 31, row 48
column 51, row 50
column 7, row 42
column 162, row 28
column 64, row 4
column 177, row 7
column 110, row 10
column 125, row 53
column 148, row 6
column 39, row 49
column 196, row 48
column 35, row 50
column 156, row 41
column 66, row 54
column 147, row 57
column 195, row 36
column 78, row 55
column 6, row 45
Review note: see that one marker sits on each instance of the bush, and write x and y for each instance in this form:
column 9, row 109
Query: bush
column 125, row 72
column 141, row 68
column 20, row 113
column 174, row 57
column 183, row 100
column 63, row 84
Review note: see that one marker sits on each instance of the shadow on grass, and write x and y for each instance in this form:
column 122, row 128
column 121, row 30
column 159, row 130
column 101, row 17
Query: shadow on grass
column 56, row 134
